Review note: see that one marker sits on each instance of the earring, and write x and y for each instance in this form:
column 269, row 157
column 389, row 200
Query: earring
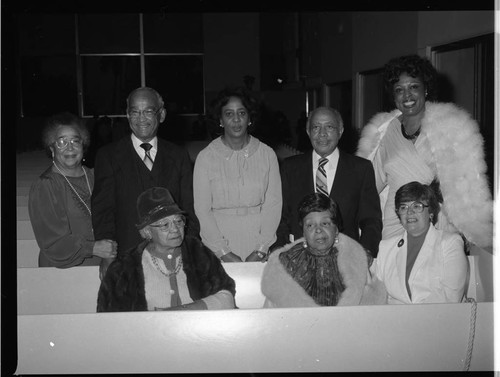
column 249, row 123
column 304, row 244
column 336, row 239
column 221, row 126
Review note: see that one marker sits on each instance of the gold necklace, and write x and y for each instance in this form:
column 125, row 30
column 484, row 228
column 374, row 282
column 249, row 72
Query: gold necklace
column 72, row 188
column 167, row 274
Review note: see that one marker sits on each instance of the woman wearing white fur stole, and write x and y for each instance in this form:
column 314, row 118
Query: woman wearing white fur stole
column 428, row 141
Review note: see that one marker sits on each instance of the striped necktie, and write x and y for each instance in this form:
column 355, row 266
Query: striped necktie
column 321, row 182
column 148, row 160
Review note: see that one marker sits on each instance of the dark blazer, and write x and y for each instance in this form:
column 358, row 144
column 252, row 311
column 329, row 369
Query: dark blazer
column 122, row 289
column 121, row 176
column 353, row 189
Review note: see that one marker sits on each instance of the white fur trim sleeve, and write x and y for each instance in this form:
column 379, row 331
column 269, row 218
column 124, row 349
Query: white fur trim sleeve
column 457, row 148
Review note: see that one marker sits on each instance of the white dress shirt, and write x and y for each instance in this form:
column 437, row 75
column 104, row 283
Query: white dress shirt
column 140, row 151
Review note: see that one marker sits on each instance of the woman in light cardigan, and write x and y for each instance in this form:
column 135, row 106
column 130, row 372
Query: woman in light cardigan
column 427, row 141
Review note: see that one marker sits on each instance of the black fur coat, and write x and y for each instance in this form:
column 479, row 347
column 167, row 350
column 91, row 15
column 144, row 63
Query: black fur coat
column 122, row 289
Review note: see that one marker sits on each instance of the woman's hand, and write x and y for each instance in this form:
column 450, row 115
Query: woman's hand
column 256, row 256
column 196, row 305
column 231, row 257
column 105, row 249
column 103, row 266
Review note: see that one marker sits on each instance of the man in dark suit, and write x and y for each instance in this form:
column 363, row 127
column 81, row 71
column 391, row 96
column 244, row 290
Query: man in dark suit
column 348, row 179
column 129, row 166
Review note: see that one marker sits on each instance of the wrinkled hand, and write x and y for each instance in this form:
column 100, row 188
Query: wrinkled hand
column 103, row 267
column 231, row 257
column 105, row 248
column 255, row 256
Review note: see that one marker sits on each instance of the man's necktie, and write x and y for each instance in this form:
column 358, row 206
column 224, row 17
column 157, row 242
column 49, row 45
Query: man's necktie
column 321, row 182
column 148, row 160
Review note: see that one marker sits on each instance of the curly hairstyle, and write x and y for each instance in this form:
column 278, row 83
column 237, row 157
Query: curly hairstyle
column 67, row 119
column 414, row 66
column 224, row 96
column 416, row 191
column 317, row 202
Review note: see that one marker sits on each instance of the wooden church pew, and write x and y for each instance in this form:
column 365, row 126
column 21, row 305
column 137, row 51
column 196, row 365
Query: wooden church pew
column 395, row 338
column 52, row 290
column 341, row 339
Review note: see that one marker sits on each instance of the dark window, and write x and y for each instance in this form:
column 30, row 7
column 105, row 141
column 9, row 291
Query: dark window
column 109, row 33
column 179, row 80
column 107, row 80
column 48, row 85
column 173, row 32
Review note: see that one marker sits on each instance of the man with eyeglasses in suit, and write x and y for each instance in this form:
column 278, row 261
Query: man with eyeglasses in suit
column 133, row 164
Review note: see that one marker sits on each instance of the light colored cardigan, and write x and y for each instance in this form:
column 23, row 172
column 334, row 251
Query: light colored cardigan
column 457, row 149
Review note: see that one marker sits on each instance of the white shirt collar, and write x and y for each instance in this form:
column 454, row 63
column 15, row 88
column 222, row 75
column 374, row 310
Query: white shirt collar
column 330, row 167
column 334, row 156
column 137, row 142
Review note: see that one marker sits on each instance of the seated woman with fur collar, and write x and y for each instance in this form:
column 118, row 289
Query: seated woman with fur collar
column 324, row 268
column 166, row 271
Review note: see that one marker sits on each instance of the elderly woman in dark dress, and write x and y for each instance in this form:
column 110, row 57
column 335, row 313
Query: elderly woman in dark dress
column 166, row 271
column 59, row 200
column 324, row 268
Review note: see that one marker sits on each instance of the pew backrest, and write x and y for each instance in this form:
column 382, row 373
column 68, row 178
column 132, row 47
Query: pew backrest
column 50, row 290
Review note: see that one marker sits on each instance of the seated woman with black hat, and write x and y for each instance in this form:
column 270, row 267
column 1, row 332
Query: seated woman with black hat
column 166, row 271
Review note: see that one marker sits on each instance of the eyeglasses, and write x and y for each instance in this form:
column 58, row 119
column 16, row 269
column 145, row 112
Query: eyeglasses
column 148, row 114
column 63, row 142
column 329, row 129
column 167, row 226
column 417, row 207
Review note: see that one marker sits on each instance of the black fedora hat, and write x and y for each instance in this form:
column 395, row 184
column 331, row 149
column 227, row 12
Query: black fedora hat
column 154, row 204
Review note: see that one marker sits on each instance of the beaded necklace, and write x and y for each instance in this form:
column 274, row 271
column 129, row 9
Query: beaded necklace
column 74, row 190
column 412, row 137
column 167, row 274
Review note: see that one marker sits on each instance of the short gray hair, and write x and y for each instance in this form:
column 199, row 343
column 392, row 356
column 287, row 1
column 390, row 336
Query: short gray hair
column 336, row 115
column 146, row 89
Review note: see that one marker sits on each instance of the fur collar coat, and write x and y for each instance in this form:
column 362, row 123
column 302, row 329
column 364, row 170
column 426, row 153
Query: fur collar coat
column 457, row 149
column 122, row 289
column 361, row 288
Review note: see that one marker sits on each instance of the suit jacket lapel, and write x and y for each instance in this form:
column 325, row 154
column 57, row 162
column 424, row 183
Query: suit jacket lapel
column 163, row 161
column 125, row 154
column 341, row 171
column 307, row 161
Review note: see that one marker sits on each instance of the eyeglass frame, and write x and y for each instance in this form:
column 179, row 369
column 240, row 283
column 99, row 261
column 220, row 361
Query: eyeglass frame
column 168, row 225
column 143, row 112
column 412, row 206
column 69, row 141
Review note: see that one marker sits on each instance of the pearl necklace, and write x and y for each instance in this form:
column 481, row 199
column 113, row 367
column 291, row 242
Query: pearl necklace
column 72, row 188
column 167, row 274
